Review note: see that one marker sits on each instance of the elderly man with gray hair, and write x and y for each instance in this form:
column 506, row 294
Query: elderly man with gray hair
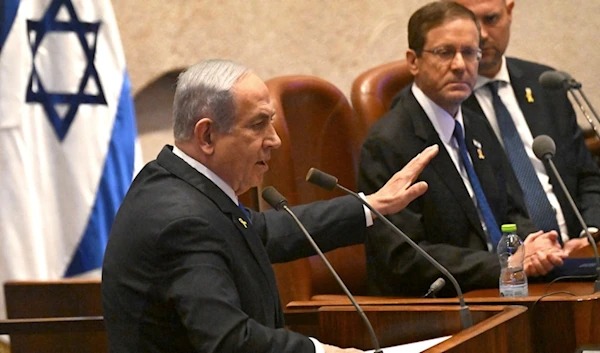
column 187, row 267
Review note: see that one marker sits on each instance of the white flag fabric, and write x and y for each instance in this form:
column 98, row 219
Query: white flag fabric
column 67, row 136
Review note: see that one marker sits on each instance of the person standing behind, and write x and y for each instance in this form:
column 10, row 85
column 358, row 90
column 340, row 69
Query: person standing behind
column 472, row 189
column 187, row 267
column 508, row 93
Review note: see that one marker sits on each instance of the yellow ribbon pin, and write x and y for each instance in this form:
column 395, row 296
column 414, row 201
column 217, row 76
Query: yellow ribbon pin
column 244, row 223
column 529, row 95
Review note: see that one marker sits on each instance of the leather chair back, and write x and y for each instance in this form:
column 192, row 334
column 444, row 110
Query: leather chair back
column 374, row 90
column 318, row 129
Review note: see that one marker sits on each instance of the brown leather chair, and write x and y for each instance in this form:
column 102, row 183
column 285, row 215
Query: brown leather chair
column 318, row 129
column 374, row 90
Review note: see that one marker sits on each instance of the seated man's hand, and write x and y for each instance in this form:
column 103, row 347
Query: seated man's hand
column 399, row 191
column 575, row 244
column 542, row 253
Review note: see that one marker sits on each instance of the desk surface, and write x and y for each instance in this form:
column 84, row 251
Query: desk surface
column 559, row 322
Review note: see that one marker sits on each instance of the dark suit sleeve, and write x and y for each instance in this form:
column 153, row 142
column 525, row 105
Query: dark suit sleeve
column 198, row 282
column 334, row 223
column 395, row 268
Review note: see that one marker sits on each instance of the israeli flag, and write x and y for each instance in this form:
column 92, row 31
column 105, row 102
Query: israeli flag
column 68, row 146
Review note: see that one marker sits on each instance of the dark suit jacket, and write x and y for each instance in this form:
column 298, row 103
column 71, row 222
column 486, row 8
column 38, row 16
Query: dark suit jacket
column 444, row 221
column 552, row 114
column 184, row 273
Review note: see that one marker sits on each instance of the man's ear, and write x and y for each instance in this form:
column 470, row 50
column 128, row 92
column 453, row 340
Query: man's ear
column 204, row 131
column 411, row 60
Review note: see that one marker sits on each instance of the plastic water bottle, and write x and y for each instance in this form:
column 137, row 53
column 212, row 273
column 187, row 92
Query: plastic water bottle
column 511, row 253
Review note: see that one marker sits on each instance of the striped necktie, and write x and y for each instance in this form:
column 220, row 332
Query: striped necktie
column 540, row 210
column 484, row 207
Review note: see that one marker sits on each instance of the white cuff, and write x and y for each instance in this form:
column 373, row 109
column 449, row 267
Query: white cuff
column 592, row 230
column 318, row 346
column 368, row 215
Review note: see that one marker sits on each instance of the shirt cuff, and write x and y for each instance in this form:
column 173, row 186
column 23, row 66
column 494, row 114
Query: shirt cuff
column 368, row 215
column 318, row 346
column 592, row 230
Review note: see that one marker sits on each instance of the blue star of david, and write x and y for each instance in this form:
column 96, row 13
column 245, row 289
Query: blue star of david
column 37, row 30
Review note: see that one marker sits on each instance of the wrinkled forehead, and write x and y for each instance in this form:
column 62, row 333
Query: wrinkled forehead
column 250, row 92
column 446, row 31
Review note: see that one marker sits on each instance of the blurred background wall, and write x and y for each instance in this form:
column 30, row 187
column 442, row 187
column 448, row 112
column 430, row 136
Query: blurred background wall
column 335, row 40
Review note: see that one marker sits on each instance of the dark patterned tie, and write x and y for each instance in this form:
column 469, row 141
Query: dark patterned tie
column 484, row 207
column 540, row 210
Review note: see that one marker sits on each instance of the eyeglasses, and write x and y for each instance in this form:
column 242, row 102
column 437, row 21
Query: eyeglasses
column 447, row 54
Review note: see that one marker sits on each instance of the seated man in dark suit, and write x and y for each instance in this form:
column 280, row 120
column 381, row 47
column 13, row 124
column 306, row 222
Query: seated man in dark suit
column 532, row 111
column 471, row 188
column 187, row 268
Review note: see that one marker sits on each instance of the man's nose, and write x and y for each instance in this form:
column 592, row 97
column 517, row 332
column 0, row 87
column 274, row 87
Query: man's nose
column 273, row 140
column 458, row 62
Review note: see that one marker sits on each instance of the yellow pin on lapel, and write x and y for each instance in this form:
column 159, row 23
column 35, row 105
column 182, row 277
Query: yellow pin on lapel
column 529, row 95
column 480, row 154
column 244, row 223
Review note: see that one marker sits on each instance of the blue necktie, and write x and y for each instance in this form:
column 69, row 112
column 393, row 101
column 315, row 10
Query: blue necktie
column 484, row 207
column 540, row 210
column 245, row 212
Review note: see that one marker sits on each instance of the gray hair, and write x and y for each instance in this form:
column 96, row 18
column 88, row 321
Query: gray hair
column 204, row 90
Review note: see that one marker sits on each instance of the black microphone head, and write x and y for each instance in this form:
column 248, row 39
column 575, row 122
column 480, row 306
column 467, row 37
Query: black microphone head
column 274, row 198
column 554, row 80
column 544, row 147
column 322, row 179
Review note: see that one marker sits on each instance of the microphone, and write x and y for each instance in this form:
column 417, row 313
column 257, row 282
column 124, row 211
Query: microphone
column 435, row 287
column 558, row 80
column 278, row 202
column 555, row 80
column 544, row 149
column 329, row 182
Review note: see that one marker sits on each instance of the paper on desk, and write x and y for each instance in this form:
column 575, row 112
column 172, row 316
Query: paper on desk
column 415, row 347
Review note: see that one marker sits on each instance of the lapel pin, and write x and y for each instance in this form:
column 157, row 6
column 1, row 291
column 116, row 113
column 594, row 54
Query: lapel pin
column 477, row 145
column 529, row 95
column 244, row 223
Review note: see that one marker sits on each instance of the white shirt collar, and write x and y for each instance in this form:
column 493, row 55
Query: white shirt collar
column 501, row 76
column 202, row 169
column 442, row 121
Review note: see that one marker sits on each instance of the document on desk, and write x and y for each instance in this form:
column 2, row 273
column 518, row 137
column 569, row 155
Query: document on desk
column 415, row 347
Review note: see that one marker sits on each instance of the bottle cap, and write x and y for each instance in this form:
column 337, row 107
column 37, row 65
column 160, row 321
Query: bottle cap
column 509, row 228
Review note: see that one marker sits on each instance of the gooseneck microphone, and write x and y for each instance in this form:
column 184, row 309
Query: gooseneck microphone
column 558, row 80
column 278, row 202
column 435, row 287
column 329, row 182
column 544, row 149
column 555, row 80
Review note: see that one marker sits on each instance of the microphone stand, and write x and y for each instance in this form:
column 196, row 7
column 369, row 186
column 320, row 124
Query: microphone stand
column 361, row 313
column 278, row 202
column 583, row 110
column 581, row 221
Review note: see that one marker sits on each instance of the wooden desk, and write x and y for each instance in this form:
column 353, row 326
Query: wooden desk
column 496, row 329
column 558, row 323
column 55, row 316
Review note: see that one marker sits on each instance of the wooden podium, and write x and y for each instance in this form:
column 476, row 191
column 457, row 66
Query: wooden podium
column 561, row 322
column 496, row 329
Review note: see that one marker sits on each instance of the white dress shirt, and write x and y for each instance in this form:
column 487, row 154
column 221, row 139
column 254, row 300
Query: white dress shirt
column 508, row 97
column 444, row 123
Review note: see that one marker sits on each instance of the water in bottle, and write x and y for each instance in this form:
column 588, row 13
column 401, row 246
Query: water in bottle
column 511, row 253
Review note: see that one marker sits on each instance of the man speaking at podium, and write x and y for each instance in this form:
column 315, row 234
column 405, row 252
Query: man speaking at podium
column 187, row 268
column 472, row 189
